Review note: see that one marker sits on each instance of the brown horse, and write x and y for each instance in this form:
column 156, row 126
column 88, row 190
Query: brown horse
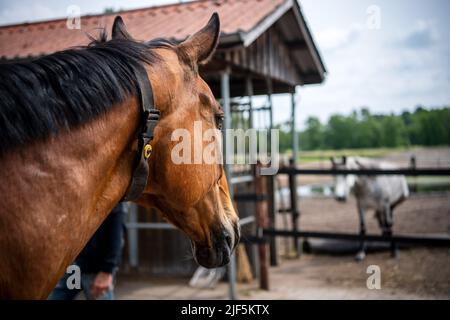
column 68, row 129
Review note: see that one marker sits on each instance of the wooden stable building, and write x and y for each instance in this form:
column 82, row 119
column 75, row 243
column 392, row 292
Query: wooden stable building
column 265, row 48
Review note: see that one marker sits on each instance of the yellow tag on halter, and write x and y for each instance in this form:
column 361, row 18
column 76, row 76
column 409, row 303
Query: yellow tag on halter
column 147, row 151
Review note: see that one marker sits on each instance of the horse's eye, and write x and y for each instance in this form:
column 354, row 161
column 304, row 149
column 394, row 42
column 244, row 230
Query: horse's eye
column 219, row 121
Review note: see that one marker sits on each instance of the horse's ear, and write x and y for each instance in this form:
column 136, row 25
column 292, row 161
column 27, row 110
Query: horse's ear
column 200, row 46
column 333, row 162
column 119, row 31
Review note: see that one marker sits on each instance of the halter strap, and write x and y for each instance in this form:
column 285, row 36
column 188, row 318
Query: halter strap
column 150, row 119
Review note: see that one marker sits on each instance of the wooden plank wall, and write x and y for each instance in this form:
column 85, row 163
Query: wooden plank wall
column 267, row 56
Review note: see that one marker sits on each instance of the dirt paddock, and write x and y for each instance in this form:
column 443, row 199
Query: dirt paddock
column 330, row 272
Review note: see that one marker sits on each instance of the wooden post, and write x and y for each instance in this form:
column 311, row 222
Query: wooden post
column 271, row 183
column 413, row 166
column 293, row 178
column 293, row 129
column 249, row 90
column 294, row 208
column 262, row 222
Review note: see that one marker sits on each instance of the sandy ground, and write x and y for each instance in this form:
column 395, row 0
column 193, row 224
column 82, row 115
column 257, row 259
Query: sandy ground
column 319, row 277
column 330, row 271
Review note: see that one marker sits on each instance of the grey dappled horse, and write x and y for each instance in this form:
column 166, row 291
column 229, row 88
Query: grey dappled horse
column 380, row 193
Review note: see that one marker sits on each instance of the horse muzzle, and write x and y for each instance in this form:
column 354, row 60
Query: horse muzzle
column 224, row 242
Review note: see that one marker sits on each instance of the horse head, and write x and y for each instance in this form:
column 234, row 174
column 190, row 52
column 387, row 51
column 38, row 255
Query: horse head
column 343, row 184
column 193, row 195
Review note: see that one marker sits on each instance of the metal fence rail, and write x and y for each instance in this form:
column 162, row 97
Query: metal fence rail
column 295, row 233
column 367, row 172
column 425, row 240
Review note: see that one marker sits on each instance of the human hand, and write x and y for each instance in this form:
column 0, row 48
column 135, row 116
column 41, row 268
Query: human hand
column 102, row 282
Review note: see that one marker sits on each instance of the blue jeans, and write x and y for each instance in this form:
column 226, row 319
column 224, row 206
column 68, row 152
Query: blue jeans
column 62, row 292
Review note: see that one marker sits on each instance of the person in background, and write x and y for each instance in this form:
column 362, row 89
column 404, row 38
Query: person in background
column 98, row 261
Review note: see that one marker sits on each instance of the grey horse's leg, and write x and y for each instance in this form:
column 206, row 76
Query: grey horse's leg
column 362, row 231
column 389, row 222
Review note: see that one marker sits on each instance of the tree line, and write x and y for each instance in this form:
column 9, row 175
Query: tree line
column 362, row 129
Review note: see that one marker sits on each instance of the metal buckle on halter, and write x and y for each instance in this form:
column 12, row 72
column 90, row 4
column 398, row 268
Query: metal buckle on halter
column 152, row 118
column 147, row 150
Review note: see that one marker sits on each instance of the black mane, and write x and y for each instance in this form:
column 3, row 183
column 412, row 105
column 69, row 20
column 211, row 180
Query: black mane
column 41, row 97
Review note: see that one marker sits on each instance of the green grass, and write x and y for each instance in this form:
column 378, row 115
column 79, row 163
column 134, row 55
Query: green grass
column 320, row 155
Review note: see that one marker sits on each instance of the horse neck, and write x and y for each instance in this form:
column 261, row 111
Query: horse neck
column 98, row 160
column 56, row 193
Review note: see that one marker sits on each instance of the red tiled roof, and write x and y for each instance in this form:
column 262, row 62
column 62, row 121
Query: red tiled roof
column 171, row 21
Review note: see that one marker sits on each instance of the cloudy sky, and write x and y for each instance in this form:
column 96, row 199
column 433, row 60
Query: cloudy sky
column 389, row 64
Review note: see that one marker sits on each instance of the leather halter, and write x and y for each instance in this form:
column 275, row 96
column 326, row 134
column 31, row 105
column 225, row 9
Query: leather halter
column 149, row 120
